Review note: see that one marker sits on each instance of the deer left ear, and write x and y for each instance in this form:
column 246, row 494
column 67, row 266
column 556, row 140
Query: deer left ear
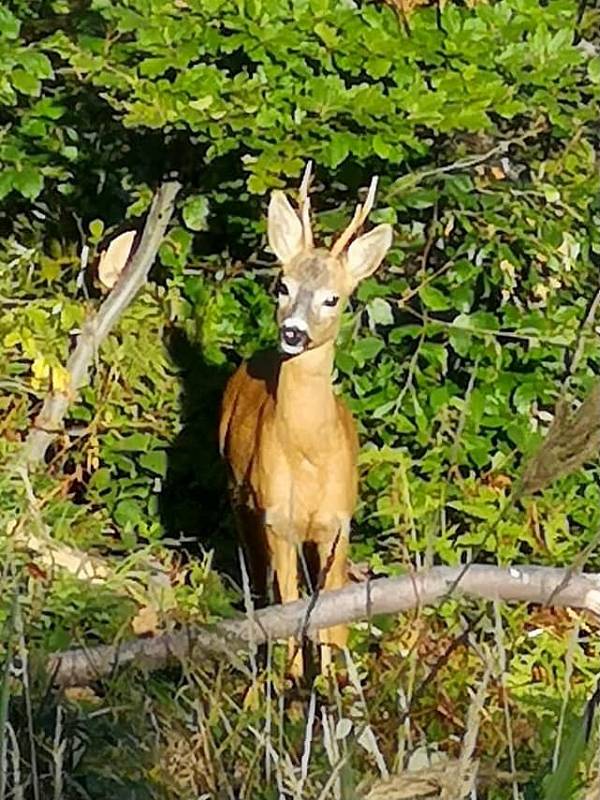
column 285, row 231
column 367, row 252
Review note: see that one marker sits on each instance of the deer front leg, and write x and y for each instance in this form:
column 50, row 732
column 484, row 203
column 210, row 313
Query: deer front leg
column 333, row 557
column 284, row 561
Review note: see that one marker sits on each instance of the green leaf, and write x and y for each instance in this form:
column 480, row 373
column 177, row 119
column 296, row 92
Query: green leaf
column 96, row 228
column 561, row 784
column 132, row 443
column 380, row 312
column 28, row 181
column 9, row 24
column 433, row 298
column 50, row 269
column 101, row 479
column 128, row 511
column 25, row 82
column 6, row 182
column 37, row 64
column 195, row 213
column 381, row 147
column 337, row 149
column 551, row 194
column 155, row 461
column 478, row 510
column 367, row 348
column 594, row 69
column 327, row 34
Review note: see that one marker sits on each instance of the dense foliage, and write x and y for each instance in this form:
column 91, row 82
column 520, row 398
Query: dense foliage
column 483, row 126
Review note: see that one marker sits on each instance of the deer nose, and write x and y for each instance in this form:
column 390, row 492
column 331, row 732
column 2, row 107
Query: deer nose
column 293, row 337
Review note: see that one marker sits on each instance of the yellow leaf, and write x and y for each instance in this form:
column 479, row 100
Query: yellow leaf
column 40, row 368
column 145, row 622
column 81, row 694
column 114, row 259
column 252, row 698
column 61, row 380
column 12, row 338
column 28, row 344
column 50, row 269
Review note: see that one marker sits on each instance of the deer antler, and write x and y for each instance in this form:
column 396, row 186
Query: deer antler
column 358, row 220
column 304, row 206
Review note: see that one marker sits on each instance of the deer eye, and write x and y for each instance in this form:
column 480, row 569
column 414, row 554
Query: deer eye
column 331, row 301
column 281, row 289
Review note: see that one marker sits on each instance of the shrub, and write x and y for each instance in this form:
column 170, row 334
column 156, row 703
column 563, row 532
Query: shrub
column 482, row 124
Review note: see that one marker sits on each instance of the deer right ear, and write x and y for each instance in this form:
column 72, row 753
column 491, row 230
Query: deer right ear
column 367, row 252
column 286, row 234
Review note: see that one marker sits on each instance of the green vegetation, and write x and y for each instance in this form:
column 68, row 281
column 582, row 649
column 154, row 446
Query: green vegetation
column 482, row 124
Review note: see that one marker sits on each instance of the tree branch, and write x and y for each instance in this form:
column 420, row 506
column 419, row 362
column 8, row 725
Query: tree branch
column 530, row 584
column 49, row 421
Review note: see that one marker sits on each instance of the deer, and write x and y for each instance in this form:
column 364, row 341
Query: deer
column 288, row 439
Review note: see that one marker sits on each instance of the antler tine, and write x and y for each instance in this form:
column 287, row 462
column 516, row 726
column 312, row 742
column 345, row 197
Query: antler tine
column 304, row 205
column 358, row 220
column 303, row 191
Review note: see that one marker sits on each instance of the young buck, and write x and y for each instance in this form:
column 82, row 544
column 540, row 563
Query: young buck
column 290, row 442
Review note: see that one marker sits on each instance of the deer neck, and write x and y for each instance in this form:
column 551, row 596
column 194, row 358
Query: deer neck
column 305, row 407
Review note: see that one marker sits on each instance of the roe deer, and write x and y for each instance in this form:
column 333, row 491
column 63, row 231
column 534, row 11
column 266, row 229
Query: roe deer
column 290, row 442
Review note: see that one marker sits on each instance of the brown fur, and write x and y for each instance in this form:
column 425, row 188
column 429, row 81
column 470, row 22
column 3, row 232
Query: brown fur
column 297, row 467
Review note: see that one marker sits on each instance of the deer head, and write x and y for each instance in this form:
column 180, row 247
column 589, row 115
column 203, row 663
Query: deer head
column 315, row 283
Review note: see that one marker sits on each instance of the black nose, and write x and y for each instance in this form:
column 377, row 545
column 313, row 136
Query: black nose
column 294, row 337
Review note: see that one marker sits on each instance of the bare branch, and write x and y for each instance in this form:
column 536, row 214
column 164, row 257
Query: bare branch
column 414, row 179
column 49, row 421
column 528, row 584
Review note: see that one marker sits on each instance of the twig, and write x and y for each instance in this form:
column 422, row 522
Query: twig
column 7, row 637
column 587, row 323
column 462, row 420
column 430, row 239
column 49, row 421
column 502, row 672
column 441, row 661
column 463, row 785
column 529, row 584
column 576, row 565
column 25, row 682
column 414, row 179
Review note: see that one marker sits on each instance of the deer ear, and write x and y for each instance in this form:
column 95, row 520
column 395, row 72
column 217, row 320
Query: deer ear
column 286, row 235
column 367, row 252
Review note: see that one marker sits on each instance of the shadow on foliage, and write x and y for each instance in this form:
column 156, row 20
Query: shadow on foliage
column 194, row 507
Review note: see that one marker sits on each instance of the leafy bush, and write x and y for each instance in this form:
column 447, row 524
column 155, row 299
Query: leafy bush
column 482, row 124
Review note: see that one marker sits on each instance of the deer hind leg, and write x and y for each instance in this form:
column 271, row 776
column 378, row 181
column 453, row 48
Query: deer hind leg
column 256, row 557
column 285, row 566
column 333, row 557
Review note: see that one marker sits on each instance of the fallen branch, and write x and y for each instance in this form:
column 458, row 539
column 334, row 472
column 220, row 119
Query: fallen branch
column 529, row 584
column 48, row 423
